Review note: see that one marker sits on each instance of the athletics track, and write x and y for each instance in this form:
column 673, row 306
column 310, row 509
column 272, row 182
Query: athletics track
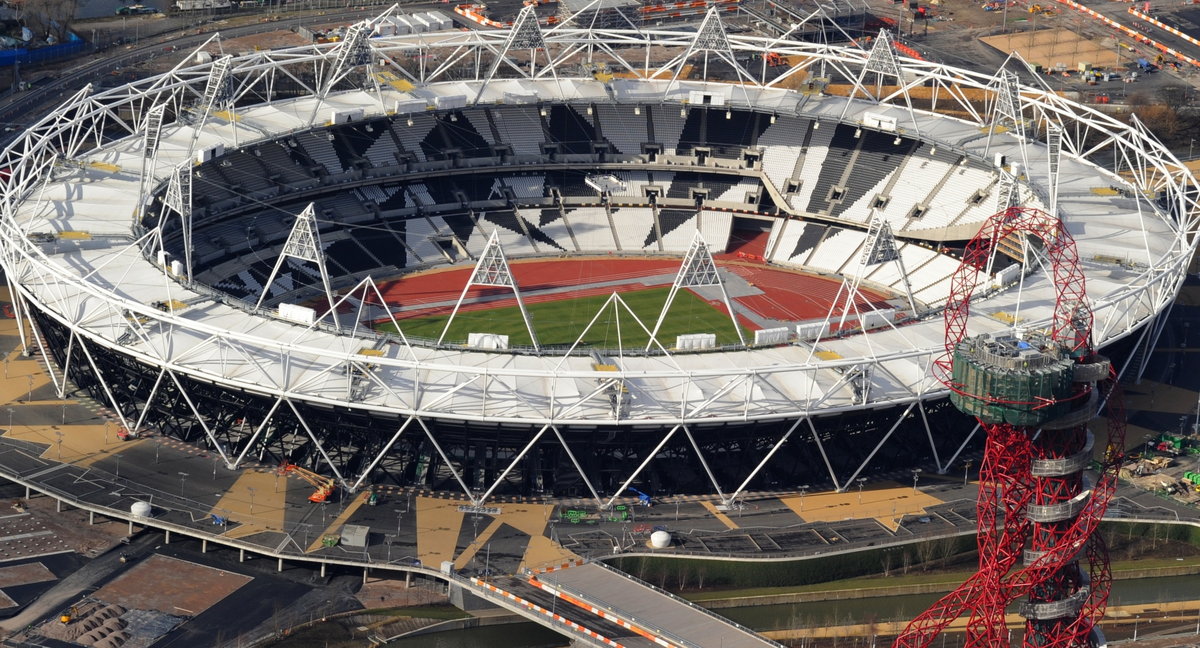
column 786, row 295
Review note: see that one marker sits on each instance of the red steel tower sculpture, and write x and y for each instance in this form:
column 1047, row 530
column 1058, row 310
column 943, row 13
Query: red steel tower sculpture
column 1034, row 393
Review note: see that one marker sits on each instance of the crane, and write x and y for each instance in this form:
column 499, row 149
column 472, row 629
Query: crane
column 324, row 485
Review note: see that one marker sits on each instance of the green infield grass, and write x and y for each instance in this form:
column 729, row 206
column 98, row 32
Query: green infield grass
column 561, row 322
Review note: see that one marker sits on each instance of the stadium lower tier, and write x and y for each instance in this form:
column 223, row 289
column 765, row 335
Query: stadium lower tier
column 322, row 437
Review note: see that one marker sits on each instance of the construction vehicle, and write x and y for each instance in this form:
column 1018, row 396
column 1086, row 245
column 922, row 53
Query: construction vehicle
column 66, row 615
column 324, row 485
column 643, row 498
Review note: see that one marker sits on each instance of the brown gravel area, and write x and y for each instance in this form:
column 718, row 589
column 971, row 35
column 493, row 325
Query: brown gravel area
column 171, row 586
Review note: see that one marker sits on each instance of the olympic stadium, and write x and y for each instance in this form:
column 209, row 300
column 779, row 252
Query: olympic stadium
column 302, row 255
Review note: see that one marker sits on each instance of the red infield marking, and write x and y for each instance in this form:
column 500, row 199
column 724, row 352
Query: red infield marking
column 793, row 296
column 787, row 295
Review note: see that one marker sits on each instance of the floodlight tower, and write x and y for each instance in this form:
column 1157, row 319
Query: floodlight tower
column 1034, row 393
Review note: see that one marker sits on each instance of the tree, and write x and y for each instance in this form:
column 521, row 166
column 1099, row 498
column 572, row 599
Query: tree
column 48, row 18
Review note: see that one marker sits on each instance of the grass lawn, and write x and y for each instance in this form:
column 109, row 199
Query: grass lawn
column 560, row 322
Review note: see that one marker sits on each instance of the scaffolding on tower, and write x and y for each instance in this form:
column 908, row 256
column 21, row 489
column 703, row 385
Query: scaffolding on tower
column 1034, row 393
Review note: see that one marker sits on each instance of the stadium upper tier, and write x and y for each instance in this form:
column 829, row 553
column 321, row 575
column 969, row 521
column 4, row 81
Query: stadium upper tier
column 435, row 149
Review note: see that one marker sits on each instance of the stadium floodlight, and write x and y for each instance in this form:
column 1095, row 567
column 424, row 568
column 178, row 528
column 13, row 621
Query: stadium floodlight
column 698, row 270
column 218, row 93
column 1008, row 111
column 179, row 200
column 152, row 133
column 353, row 51
column 879, row 247
column 1053, row 157
column 492, row 270
column 303, row 243
column 882, row 61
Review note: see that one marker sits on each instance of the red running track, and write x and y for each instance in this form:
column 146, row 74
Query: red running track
column 787, row 295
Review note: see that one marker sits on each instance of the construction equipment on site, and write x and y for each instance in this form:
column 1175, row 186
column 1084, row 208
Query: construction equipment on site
column 66, row 615
column 324, row 485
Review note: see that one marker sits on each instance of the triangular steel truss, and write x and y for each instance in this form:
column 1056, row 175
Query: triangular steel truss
column 1007, row 112
column 881, row 244
column 698, row 270
column 524, row 35
column 303, row 243
column 179, row 200
column 352, row 52
column 882, row 61
column 880, row 247
column 492, row 270
column 711, row 38
column 1054, row 146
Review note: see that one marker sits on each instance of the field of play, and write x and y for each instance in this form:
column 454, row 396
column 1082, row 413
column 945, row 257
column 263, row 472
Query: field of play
column 569, row 298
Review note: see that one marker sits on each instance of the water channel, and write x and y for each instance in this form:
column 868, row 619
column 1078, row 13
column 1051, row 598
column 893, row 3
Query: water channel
column 773, row 617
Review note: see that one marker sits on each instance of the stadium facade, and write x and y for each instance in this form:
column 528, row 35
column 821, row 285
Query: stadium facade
column 142, row 225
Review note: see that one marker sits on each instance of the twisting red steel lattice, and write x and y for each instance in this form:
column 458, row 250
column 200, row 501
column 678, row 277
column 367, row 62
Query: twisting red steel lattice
column 1020, row 557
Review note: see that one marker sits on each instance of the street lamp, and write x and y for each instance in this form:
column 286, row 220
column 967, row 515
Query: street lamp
column 10, row 413
column 861, row 481
column 803, row 490
column 966, row 471
column 251, row 491
column 182, row 478
column 916, row 475
column 59, row 434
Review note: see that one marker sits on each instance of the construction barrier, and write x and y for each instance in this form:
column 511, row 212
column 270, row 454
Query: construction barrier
column 1129, row 31
column 543, row 611
column 1167, row 28
column 605, row 614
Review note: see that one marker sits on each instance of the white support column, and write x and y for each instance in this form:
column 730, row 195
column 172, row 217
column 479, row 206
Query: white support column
column 867, row 461
column 578, row 467
column 218, row 94
column 382, row 453
column 882, row 61
column 512, row 464
column 821, row 448
column 765, row 460
column 304, row 243
column 712, row 478
column 152, row 134
column 698, row 270
column 492, row 270
column 450, row 466
column 642, row 466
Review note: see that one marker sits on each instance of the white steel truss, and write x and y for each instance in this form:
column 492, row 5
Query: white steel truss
column 101, row 295
column 698, row 270
column 492, row 270
column 1054, row 158
column 882, row 62
column 304, row 244
column 179, row 200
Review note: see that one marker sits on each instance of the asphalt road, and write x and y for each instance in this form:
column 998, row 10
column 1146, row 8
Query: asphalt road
column 17, row 109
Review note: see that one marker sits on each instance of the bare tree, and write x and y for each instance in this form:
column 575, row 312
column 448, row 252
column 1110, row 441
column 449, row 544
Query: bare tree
column 926, row 549
column 48, row 18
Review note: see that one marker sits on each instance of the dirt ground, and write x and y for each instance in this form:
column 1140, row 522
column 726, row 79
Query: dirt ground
column 385, row 593
column 171, row 586
column 1050, row 47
